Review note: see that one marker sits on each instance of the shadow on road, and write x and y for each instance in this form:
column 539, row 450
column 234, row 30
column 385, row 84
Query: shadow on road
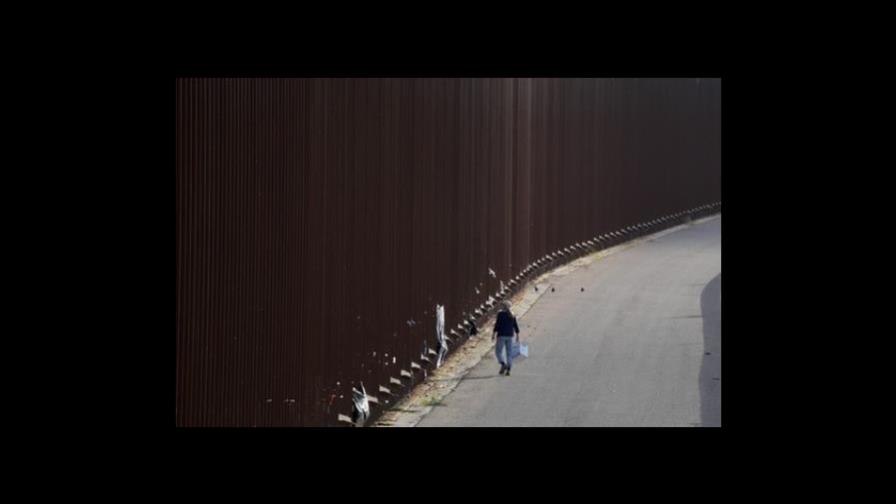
column 711, row 367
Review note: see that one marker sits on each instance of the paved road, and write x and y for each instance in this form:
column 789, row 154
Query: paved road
column 641, row 346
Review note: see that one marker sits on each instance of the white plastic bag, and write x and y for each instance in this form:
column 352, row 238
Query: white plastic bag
column 517, row 349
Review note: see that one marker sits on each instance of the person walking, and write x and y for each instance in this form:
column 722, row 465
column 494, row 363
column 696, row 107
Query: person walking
column 505, row 327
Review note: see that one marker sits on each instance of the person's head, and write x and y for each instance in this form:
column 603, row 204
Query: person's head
column 505, row 305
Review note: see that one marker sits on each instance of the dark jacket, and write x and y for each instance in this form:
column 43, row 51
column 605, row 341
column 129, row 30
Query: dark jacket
column 505, row 324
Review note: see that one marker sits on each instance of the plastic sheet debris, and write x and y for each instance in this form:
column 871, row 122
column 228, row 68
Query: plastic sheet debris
column 440, row 335
column 360, row 406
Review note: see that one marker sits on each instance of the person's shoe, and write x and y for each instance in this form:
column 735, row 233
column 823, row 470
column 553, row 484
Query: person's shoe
column 503, row 367
column 507, row 373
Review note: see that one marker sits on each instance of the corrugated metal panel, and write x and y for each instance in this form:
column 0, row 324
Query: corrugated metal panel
column 319, row 221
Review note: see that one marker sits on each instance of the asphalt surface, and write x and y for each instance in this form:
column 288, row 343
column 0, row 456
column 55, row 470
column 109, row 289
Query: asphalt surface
column 640, row 347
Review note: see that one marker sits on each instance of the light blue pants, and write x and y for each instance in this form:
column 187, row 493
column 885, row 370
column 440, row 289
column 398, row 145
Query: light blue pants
column 504, row 342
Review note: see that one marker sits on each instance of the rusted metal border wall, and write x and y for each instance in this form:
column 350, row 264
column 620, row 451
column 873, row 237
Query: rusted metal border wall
column 320, row 221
